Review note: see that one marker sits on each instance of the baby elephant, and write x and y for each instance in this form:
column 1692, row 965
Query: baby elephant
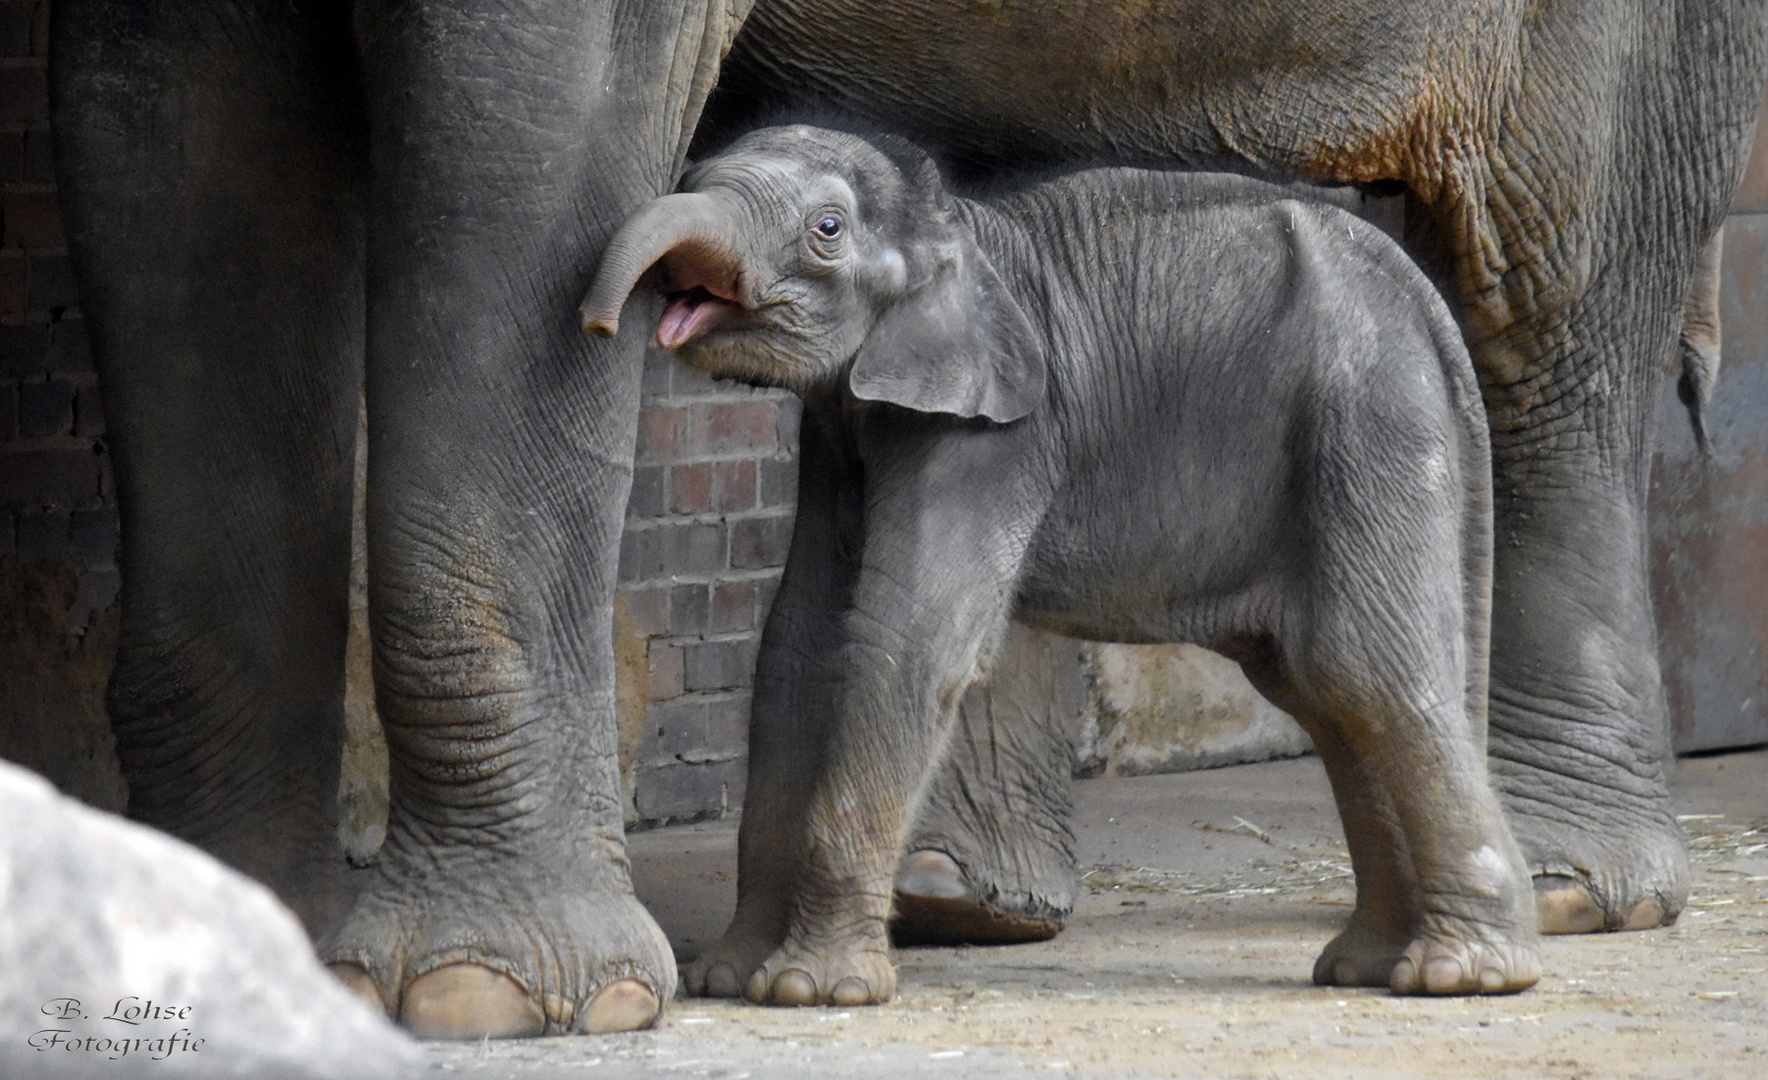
column 1120, row 405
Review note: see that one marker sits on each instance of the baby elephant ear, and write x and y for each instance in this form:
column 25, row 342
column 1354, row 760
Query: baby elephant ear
column 958, row 344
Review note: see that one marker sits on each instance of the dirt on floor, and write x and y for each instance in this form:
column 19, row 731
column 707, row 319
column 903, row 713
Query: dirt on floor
column 1206, row 897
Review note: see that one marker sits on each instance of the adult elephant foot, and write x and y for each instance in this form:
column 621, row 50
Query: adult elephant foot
column 1576, row 737
column 1454, row 957
column 1601, row 873
column 991, row 856
column 1363, row 954
column 937, row 904
column 502, row 962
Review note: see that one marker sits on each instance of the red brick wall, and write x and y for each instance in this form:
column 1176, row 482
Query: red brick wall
column 706, row 534
column 58, row 517
column 56, row 499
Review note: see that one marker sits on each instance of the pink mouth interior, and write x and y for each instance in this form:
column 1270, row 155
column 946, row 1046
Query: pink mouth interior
column 690, row 314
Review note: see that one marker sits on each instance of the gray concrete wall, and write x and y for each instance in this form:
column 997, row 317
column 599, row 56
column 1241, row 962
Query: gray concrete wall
column 1709, row 535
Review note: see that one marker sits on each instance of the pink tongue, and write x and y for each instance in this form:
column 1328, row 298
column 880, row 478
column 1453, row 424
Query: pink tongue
column 685, row 317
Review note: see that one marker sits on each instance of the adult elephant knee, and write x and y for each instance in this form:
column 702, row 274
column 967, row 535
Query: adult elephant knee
column 1563, row 167
column 271, row 206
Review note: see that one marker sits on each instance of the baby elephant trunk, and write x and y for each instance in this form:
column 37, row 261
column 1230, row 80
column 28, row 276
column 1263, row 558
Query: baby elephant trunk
column 695, row 238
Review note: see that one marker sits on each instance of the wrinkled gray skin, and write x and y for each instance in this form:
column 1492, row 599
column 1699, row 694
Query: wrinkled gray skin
column 273, row 206
column 1122, row 405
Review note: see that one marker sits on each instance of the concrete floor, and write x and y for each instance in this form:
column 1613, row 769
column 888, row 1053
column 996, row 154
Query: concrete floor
column 1207, row 896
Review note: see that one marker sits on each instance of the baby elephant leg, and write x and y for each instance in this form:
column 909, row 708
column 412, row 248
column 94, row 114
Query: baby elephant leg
column 798, row 662
column 894, row 712
column 930, row 602
column 1444, row 904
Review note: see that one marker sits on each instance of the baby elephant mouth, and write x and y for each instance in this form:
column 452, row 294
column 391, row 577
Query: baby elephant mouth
column 693, row 313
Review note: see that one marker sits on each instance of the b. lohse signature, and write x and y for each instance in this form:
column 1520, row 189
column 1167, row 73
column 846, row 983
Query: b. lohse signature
column 130, row 1011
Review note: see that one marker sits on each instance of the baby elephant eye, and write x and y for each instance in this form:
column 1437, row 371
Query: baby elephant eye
column 829, row 228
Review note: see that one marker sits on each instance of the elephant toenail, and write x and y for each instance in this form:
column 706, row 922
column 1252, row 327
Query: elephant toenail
column 1563, row 905
column 1403, row 979
column 1491, row 981
column 469, row 1001
column 851, row 991
column 721, row 982
column 1644, row 915
column 359, row 983
column 794, row 987
column 755, row 990
column 934, row 874
column 1442, row 976
column 1344, row 973
column 626, row 1005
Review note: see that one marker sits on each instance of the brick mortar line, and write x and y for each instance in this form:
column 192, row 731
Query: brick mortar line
column 721, row 637
column 699, row 577
column 711, row 697
column 709, row 517
column 43, row 443
column 692, row 577
column 704, row 577
column 710, row 459
column 709, row 759
column 80, row 379
column 717, row 397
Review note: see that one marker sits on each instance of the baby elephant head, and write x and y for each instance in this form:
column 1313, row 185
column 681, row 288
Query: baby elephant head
column 803, row 255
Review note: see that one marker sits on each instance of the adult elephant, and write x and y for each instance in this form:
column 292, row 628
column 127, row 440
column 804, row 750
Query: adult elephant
column 273, row 205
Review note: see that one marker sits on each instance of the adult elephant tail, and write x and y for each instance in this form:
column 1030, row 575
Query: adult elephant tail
column 694, row 232
column 1700, row 339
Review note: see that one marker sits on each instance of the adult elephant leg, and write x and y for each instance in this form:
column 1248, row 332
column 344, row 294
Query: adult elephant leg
column 507, row 144
column 1577, row 736
column 991, row 855
column 211, row 165
column 1577, row 725
column 1572, row 356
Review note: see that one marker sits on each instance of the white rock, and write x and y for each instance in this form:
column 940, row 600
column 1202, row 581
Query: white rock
column 103, row 921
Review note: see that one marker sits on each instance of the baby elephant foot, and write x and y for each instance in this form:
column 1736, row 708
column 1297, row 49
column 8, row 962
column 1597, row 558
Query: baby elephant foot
column 830, row 975
column 723, row 970
column 1363, row 954
column 1449, row 959
column 448, row 965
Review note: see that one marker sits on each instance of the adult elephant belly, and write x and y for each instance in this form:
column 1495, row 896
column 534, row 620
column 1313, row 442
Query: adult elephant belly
column 1563, row 166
